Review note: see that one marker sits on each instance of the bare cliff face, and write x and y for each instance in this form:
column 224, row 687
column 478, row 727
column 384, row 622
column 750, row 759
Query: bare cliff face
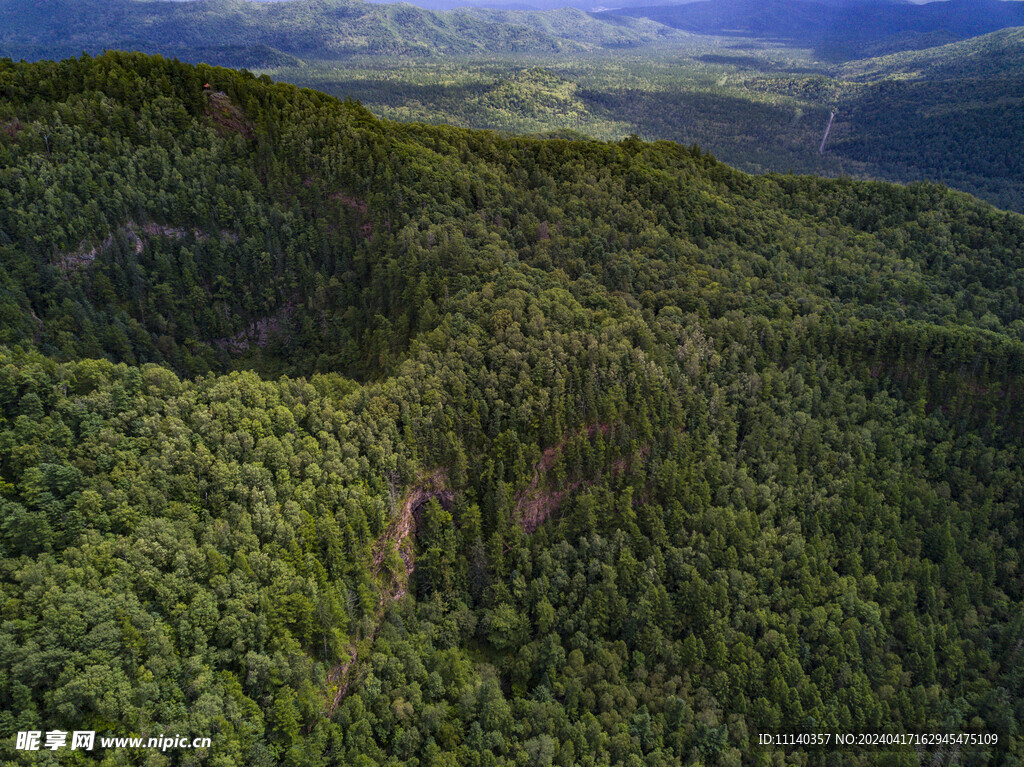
column 399, row 537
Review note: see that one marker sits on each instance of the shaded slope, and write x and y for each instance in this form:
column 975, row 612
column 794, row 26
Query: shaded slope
column 951, row 114
column 999, row 54
column 842, row 31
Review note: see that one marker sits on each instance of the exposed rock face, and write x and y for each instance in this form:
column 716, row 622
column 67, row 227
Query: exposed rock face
column 134, row 234
column 259, row 333
column 536, row 503
column 399, row 536
column 533, row 506
column 226, row 116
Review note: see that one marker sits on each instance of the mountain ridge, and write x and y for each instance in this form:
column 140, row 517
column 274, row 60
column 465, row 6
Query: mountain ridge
column 318, row 29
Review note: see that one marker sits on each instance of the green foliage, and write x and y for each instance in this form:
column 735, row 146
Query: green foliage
column 696, row 455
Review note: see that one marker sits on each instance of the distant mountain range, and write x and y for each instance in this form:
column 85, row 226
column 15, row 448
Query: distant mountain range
column 839, row 30
column 585, row 5
column 253, row 34
column 525, row 5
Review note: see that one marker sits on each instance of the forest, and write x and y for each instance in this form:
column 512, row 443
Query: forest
column 916, row 97
column 345, row 441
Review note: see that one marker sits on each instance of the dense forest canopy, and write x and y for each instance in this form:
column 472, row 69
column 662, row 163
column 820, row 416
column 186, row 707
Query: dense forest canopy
column 344, row 441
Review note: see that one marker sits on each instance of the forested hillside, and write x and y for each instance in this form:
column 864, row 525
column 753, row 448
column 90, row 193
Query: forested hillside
column 950, row 114
column 348, row 442
column 999, row 54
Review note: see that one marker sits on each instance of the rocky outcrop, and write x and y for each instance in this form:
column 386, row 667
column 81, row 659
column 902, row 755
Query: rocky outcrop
column 398, row 537
column 135, row 235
